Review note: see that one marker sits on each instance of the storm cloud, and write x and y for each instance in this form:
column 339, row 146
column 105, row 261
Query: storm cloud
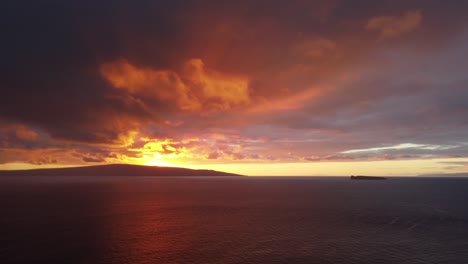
column 228, row 81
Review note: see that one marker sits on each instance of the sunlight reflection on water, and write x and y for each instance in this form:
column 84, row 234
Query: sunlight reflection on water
column 232, row 220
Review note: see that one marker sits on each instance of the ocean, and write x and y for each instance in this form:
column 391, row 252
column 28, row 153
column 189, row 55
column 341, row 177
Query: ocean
column 233, row 220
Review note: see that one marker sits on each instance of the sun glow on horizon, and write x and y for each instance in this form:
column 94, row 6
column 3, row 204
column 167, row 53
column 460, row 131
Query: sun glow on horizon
column 157, row 162
column 375, row 168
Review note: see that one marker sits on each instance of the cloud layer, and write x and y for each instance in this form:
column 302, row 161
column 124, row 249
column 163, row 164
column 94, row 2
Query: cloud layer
column 208, row 82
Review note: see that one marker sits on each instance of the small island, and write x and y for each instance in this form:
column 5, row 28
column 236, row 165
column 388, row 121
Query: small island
column 367, row 178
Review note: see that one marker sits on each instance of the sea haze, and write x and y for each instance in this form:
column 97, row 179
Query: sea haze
column 104, row 220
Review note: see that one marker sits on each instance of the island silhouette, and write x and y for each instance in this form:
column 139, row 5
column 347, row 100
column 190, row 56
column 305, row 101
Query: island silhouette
column 361, row 177
column 115, row 170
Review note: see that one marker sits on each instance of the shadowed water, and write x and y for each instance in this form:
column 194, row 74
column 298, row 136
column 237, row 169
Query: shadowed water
column 233, row 220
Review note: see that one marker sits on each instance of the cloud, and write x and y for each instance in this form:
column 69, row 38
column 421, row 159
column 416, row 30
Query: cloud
column 395, row 26
column 400, row 147
column 16, row 135
column 195, row 89
column 24, row 133
column 459, row 163
column 90, row 159
column 185, row 83
column 214, row 155
column 43, row 161
column 31, row 156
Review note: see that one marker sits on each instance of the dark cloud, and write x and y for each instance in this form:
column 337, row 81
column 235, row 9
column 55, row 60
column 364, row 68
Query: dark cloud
column 90, row 159
column 110, row 81
column 43, row 161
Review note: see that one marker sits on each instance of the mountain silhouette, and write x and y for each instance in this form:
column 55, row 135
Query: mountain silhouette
column 115, row 170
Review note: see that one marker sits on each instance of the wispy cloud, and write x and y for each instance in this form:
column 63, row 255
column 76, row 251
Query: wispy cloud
column 394, row 26
column 399, row 147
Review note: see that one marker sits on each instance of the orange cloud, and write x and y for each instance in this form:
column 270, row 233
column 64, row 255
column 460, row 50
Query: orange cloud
column 218, row 90
column 394, row 26
column 25, row 133
column 34, row 156
column 161, row 84
column 20, row 131
column 195, row 88
column 288, row 103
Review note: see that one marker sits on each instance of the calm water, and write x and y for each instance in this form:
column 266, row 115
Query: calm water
column 233, row 220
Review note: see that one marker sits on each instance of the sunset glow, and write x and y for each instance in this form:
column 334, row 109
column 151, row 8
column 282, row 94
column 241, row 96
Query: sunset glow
column 314, row 88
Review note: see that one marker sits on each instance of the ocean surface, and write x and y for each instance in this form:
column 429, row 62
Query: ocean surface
column 233, row 220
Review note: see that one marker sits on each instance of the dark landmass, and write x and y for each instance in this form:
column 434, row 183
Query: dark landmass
column 367, row 178
column 115, row 170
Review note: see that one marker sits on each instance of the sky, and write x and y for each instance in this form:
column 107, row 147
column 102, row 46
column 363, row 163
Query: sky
column 325, row 87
